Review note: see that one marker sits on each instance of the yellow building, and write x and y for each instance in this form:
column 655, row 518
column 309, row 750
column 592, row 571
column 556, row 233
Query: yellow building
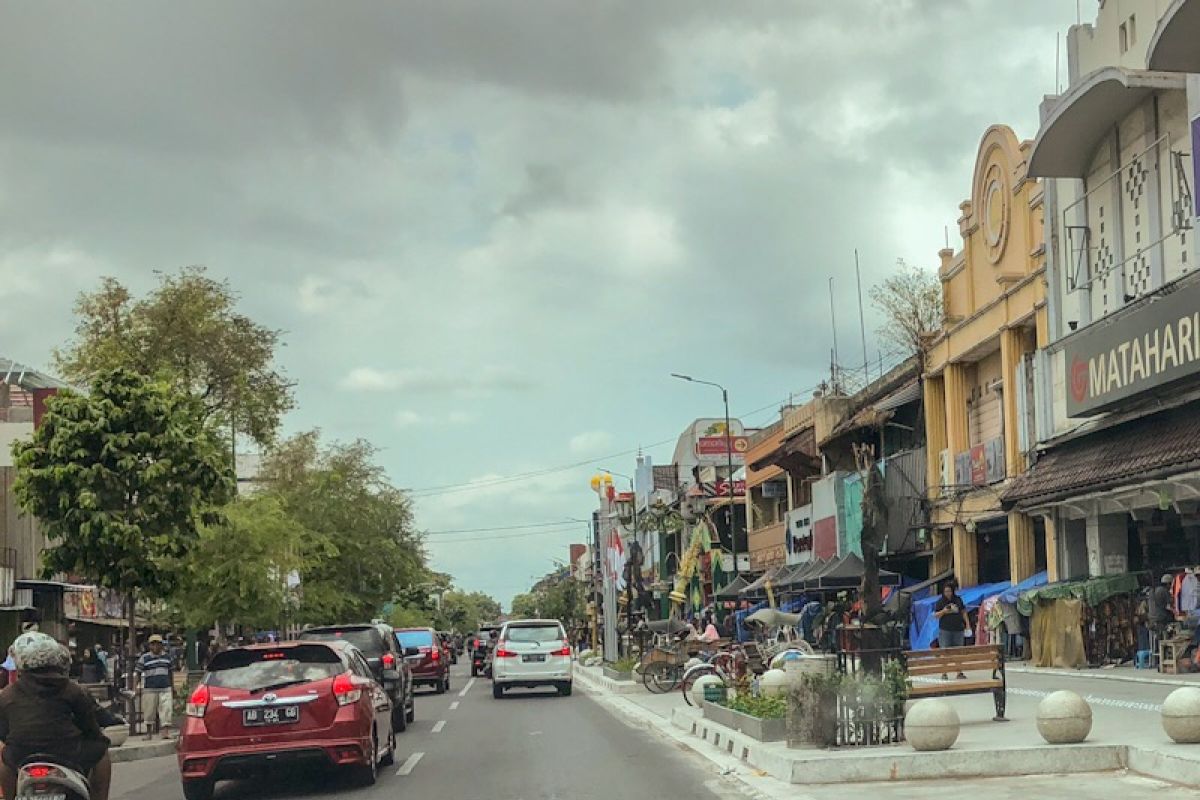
column 978, row 387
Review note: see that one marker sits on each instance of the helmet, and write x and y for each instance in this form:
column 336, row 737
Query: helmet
column 34, row 650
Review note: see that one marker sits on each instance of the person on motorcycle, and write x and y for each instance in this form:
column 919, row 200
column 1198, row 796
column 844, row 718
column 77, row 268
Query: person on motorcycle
column 44, row 712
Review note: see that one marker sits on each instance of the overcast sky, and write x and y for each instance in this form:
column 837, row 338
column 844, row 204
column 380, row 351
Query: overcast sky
column 491, row 229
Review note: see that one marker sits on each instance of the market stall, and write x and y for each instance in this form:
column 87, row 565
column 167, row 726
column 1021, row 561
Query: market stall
column 1081, row 623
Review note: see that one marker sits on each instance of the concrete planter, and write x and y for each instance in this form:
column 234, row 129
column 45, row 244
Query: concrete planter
column 764, row 730
column 617, row 675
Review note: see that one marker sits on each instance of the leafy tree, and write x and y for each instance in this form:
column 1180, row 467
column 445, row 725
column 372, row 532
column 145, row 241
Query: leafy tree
column 187, row 329
column 464, row 611
column 341, row 494
column 238, row 571
column 121, row 480
column 910, row 301
column 525, row 605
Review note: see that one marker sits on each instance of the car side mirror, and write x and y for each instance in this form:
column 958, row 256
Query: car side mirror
column 409, row 652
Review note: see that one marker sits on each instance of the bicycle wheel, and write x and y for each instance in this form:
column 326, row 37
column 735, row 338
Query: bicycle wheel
column 691, row 676
column 650, row 677
column 664, row 678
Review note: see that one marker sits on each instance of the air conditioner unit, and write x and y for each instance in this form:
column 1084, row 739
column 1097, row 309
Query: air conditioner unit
column 946, row 467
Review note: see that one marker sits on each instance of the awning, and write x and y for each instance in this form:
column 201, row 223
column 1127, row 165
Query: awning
column 794, row 580
column 1144, row 449
column 846, row 573
column 875, row 414
column 1173, row 45
column 893, row 602
column 66, row 587
column 732, row 589
column 759, row 586
column 796, row 454
column 16, row 374
column 1086, row 113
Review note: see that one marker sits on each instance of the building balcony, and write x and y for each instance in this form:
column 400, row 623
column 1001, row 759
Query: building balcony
column 1173, row 46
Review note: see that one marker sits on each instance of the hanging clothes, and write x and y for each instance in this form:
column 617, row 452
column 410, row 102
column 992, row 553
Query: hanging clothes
column 1189, row 593
column 1176, row 589
column 988, row 621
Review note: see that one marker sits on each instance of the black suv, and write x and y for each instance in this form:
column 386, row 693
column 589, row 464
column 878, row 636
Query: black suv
column 378, row 644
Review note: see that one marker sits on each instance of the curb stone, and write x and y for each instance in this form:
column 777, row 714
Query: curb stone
column 1095, row 674
column 142, row 751
column 816, row 766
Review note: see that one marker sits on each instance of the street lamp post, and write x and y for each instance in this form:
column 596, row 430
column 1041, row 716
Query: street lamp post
column 728, row 460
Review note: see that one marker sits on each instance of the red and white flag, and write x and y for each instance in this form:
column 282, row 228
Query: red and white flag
column 616, row 559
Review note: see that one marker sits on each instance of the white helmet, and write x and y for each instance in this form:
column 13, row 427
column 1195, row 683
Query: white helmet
column 34, row 650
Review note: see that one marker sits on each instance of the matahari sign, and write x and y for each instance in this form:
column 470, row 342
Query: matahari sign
column 1158, row 343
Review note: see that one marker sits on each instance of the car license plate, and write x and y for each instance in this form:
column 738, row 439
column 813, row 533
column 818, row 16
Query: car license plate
column 270, row 715
column 35, row 796
column 533, row 659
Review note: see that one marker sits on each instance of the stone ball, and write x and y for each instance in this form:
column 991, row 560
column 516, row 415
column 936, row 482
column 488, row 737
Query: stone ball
column 1063, row 717
column 931, row 724
column 692, row 662
column 780, row 661
column 1181, row 715
column 698, row 687
column 774, row 683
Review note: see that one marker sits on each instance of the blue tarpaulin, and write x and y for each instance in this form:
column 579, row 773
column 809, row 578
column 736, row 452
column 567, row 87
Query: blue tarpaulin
column 923, row 629
column 1011, row 594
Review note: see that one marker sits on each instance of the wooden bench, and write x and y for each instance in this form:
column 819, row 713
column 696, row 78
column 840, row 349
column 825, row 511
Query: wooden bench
column 950, row 662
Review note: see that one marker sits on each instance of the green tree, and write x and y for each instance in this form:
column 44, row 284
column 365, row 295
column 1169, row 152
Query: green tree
column 189, row 331
column 238, row 572
column 121, row 480
column 464, row 611
column 525, row 605
column 341, row 494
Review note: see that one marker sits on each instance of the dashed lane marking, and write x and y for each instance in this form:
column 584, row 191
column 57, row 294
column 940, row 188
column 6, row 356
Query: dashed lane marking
column 467, row 688
column 454, row 705
column 408, row 766
column 437, row 726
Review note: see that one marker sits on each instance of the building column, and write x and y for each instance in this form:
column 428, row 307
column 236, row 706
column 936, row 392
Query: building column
column 1021, row 550
column 1106, row 536
column 935, row 431
column 966, row 556
column 943, row 552
column 1050, row 523
column 1012, row 350
column 957, row 435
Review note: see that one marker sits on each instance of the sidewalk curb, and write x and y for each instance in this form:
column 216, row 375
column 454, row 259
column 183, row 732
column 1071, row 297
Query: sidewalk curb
column 140, row 752
column 1098, row 675
column 818, row 766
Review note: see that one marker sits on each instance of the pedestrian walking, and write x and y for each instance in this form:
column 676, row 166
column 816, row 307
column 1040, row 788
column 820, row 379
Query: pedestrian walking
column 951, row 613
column 156, row 669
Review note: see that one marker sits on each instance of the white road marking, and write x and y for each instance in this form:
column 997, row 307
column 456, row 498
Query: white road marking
column 1095, row 700
column 407, row 767
column 454, row 705
column 437, row 726
column 467, row 688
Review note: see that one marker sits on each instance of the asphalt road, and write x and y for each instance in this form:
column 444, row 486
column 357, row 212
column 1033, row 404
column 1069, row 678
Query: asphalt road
column 465, row 745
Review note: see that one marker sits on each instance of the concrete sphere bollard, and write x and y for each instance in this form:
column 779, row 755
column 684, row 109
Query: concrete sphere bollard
column 774, row 683
column 692, row 662
column 1181, row 715
column 1064, row 717
column 698, row 687
column 931, row 724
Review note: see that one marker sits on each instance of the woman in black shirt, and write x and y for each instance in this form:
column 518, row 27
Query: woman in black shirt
column 951, row 613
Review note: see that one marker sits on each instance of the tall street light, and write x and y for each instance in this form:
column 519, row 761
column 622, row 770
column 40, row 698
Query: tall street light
column 728, row 458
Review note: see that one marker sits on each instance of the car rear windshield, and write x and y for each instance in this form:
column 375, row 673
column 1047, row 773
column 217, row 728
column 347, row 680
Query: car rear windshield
column 534, row 633
column 257, row 669
column 368, row 640
column 414, row 638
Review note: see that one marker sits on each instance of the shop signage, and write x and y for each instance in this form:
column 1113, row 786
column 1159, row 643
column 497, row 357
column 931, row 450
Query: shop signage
column 721, row 489
column 1196, row 161
column 719, row 445
column 978, row 466
column 1114, row 360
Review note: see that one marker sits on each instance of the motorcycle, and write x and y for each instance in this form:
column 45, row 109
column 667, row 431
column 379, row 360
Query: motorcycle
column 43, row 778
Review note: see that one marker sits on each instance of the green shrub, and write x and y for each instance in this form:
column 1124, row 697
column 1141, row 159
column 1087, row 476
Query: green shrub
column 761, row 707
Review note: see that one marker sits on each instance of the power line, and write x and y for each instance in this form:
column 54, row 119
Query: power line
column 505, row 536
column 557, row 523
column 455, row 488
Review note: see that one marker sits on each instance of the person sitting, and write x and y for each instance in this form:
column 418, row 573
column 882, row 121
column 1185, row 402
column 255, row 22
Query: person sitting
column 44, row 712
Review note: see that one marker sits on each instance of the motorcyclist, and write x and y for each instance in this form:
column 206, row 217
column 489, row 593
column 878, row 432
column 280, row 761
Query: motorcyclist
column 46, row 712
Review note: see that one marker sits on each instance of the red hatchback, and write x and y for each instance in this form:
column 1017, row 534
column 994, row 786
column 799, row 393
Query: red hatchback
column 282, row 706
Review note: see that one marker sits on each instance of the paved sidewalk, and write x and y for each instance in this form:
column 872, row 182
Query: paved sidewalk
column 1123, row 674
column 137, row 748
column 1121, row 737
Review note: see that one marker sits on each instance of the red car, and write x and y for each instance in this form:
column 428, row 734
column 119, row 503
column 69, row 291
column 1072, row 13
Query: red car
column 281, row 706
column 432, row 666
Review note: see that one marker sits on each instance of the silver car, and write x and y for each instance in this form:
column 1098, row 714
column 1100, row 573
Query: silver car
column 532, row 652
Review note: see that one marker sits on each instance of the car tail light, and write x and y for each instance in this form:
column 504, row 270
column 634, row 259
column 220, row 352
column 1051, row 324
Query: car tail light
column 388, row 660
column 564, row 651
column 502, row 653
column 346, row 690
column 197, row 704
column 435, row 654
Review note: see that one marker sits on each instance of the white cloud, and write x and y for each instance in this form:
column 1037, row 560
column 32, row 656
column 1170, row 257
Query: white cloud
column 491, row 378
column 408, row 419
column 590, row 443
column 369, row 379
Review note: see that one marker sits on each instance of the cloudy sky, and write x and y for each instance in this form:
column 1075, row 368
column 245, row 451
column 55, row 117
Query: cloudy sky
column 491, row 229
